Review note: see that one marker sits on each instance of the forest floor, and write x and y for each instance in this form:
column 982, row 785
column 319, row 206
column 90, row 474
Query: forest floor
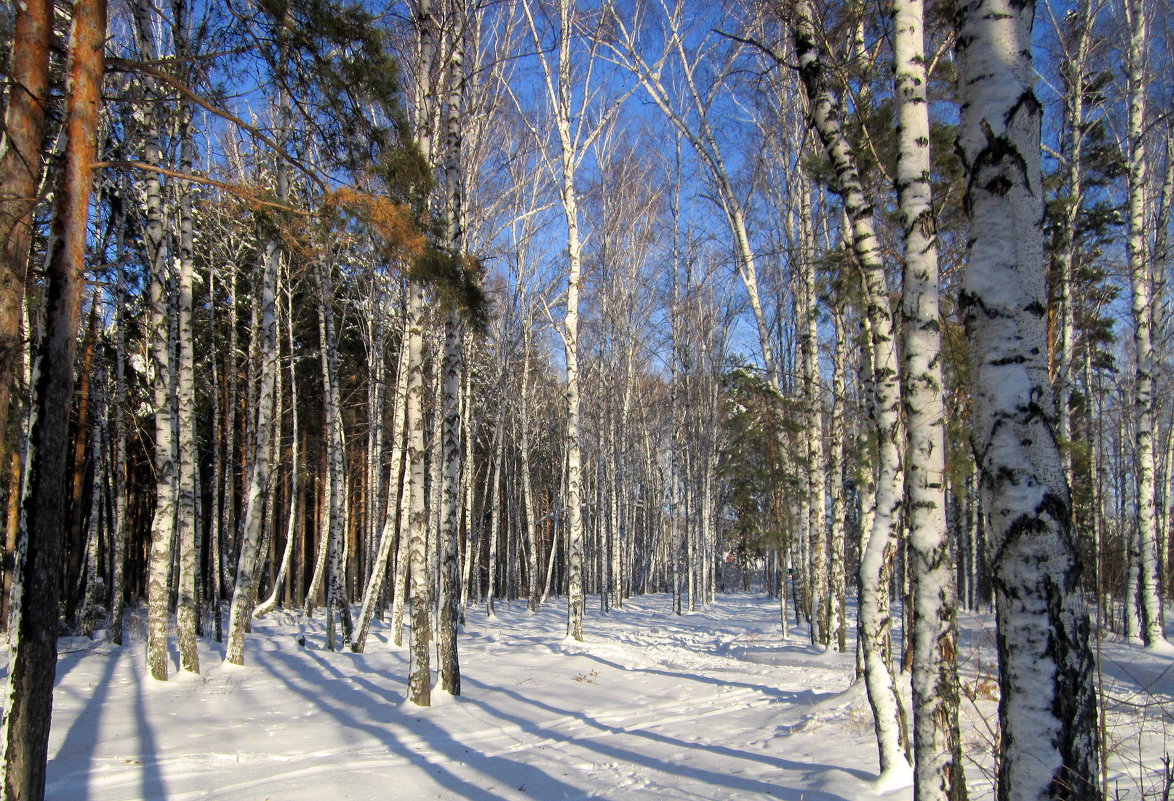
column 714, row 705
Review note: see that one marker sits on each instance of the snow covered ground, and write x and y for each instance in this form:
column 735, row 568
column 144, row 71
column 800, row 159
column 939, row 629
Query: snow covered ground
column 714, row 705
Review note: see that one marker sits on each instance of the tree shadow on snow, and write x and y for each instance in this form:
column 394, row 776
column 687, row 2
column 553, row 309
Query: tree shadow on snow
column 797, row 698
column 338, row 697
column 69, row 769
column 683, row 768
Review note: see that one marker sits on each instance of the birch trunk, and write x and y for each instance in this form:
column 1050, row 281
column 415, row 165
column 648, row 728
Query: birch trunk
column 94, row 582
column 1047, row 706
column 535, row 586
column 392, row 525
column 815, row 499
column 294, row 466
column 419, row 673
column 186, row 532
column 118, row 476
column 837, row 622
column 450, row 671
column 576, row 601
column 877, row 555
column 162, row 374
column 249, row 560
column 335, row 463
column 1141, row 281
column 450, row 428
column 937, row 746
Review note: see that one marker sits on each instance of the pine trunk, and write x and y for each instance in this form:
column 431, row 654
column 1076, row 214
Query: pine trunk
column 20, row 174
column 32, row 666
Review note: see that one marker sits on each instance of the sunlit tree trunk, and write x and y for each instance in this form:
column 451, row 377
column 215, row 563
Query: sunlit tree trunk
column 162, row 373
column 876, row 557
column 186, row 496
column 420, row 643
column 32, row 665
column 270, row 603
column 937, row 746
column 1141, row 281
column 837, row 622
column 1047, row 708
column 20, row 172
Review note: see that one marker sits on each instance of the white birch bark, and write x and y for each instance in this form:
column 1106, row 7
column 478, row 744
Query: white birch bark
column 876, row 557
column 450, row 426
column 94, row 582
column 270, row 603
column 1047, row 708
column 1141, row 281
column 524, row 445
column 249, row 559
column 335, row 462
column 164, row 518
column 837, row 620
column 937, row 746
column 449, row 613
column 118, row 477
column 559, row 90
column 419, row 673
column 186, row 531
column 391, row 525
column 815, row 498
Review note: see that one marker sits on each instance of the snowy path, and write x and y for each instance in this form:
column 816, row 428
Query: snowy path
column 707, row 706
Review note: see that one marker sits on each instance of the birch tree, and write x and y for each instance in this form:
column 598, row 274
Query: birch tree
column 574, row 139
column 937, row 747
column 1141, row 282
column 1048, row 747
column 876, row 557
column 162, row 370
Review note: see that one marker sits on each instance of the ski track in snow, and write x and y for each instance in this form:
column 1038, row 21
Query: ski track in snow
column 713, row 705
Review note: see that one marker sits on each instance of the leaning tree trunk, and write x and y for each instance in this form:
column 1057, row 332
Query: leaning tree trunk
column 393, row 523
column 32, row 666
column 270, row 603
column 248, row 561
column 244, row 592
column 876, row 557
column 937, row 746
column 1047, row 705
